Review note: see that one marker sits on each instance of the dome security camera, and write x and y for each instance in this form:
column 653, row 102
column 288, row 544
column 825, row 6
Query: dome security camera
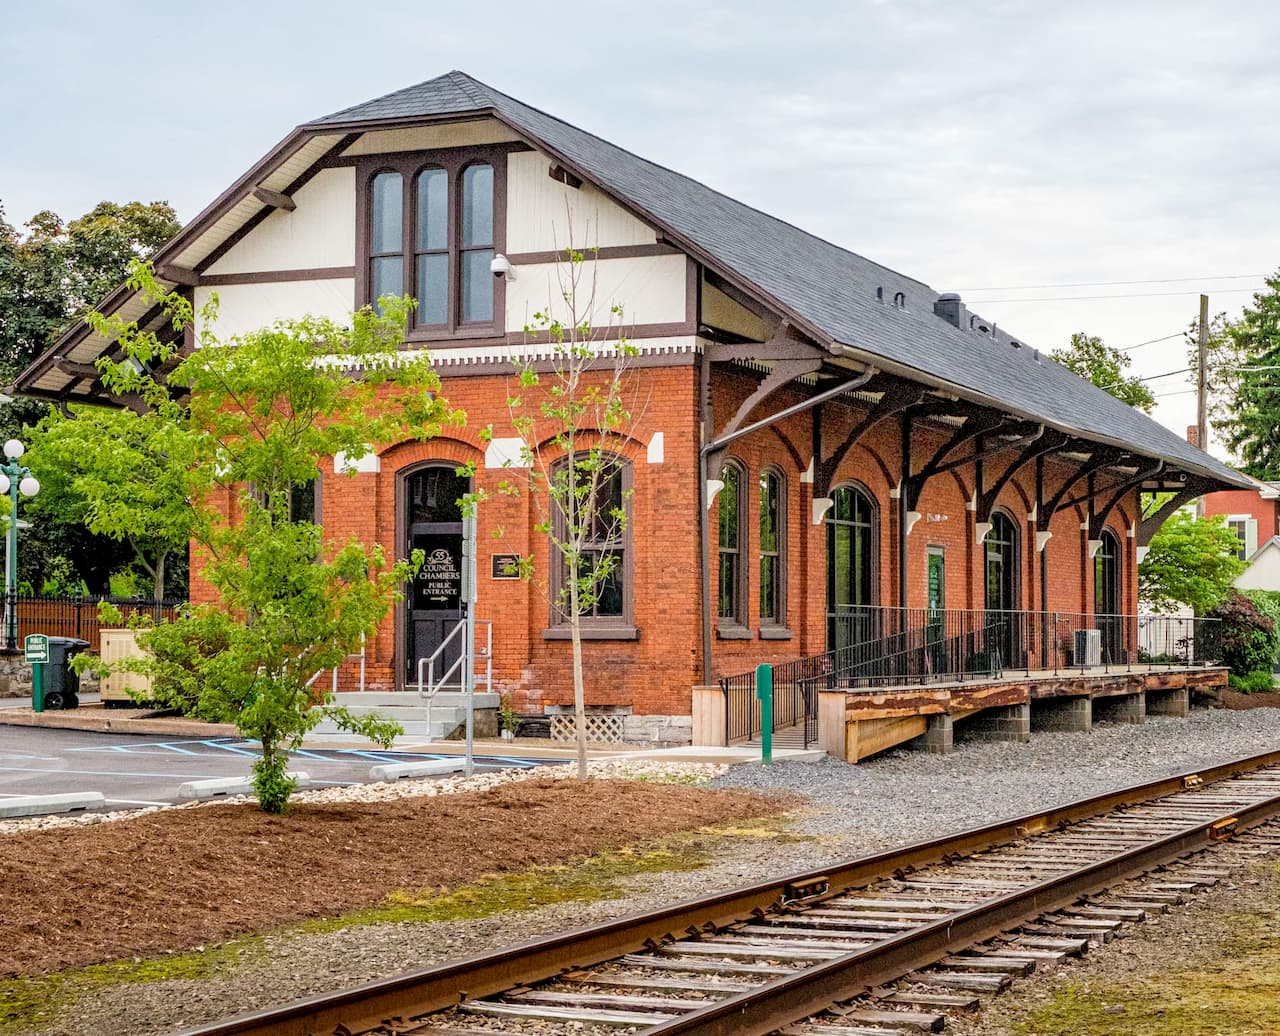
column 499, row 266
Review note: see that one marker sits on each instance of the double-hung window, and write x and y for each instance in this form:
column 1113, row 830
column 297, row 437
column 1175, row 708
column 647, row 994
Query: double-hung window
column 429, row 227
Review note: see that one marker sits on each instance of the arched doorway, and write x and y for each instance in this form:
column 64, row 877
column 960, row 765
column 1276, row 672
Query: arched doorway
column 851, row 568
column 1003, row 619
column 431, row 517
column 1106, row 597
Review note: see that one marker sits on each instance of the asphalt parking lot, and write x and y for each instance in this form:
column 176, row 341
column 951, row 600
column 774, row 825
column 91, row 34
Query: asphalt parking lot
column 135, row 771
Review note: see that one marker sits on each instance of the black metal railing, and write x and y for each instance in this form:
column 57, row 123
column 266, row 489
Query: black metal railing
column 78, row 616
column 884, row 647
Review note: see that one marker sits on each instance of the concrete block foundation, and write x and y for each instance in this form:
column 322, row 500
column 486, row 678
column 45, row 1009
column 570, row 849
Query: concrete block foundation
column 1007, row 723
column 1176, row 702
column 939, row 736
column 1121, row 708
column 1062, row 715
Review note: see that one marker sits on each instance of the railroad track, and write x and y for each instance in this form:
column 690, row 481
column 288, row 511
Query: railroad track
column 881, row 944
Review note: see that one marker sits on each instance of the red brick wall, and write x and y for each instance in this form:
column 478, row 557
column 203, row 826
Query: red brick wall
column 653, row 674
column 1245, row 501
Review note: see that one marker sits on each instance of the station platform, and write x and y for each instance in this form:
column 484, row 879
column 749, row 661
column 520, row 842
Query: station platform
column 854, row 724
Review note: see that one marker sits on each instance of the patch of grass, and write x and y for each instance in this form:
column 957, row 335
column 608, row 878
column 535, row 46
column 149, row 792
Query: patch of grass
column 599, row 877
column 1236, row 990
column 28, row 1003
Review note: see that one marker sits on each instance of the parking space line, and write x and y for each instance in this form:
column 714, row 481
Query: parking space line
column 105, row 773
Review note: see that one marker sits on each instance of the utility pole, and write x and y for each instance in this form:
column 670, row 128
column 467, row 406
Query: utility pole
column 1202, row 387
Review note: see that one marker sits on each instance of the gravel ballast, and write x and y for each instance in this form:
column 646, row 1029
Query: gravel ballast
column 897, row 798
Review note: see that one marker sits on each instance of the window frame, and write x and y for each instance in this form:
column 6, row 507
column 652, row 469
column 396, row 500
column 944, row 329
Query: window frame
column 598, row 627
column 454, row 162
column 776, row 624
column 735, row 626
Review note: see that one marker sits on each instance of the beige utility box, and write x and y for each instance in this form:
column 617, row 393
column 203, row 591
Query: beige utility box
column 117, row 686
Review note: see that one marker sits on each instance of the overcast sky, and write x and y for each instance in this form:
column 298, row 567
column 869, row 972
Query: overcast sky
column 975, row 145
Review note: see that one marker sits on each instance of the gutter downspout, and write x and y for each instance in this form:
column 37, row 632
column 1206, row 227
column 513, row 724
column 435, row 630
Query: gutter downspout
column 704, row 531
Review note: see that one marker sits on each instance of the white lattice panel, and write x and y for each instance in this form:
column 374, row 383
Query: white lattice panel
column 601, row 729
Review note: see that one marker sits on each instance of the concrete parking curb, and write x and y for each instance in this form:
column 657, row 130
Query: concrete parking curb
column 38, row 805
column 218, row 786
column 394, row 771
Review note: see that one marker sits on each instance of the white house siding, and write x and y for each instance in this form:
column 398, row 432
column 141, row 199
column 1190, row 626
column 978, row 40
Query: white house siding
column 424, row 138
column 1263, row 572
column 540, row 209
column 248, row 307
column 650, row 290
column 320, row 232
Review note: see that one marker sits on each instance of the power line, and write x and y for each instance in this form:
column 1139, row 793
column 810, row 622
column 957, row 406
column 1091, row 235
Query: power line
column 1124, row 295
column 1169, row 374
column 1110, row 284
column 1150, row 341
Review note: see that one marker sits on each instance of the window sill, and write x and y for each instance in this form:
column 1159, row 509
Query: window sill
column 593, row 633
column 774, row 633
column 418, row 336
column 733, row 633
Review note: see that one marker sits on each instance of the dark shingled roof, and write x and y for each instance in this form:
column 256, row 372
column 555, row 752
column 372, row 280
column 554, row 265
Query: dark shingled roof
column 830, row 289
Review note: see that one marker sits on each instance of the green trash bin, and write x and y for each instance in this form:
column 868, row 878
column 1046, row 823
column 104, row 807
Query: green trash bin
column 61, row 684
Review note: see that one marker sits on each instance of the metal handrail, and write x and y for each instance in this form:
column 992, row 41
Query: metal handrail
column 431, row 687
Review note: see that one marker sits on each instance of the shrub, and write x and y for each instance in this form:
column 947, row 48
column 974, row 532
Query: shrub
column 1259, row 682
column 1268, row 603
column 1243, row 638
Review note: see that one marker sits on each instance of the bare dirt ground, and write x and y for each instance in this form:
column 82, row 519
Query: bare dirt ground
column 1236, row 700
column 174, row 880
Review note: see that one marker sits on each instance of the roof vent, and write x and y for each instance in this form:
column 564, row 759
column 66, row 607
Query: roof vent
column 976, row 324
column 900, row 300
column 950, row 308
column 880, row 295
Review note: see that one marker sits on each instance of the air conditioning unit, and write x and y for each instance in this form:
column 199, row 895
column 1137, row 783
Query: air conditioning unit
column 1088, row 648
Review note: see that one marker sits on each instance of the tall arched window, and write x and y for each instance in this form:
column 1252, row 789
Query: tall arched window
column 601, row 524
column 1106, row 597
column 431, row 225
column 732, row 604
column 1004, row 620
column 773, row 550
column 851, row 567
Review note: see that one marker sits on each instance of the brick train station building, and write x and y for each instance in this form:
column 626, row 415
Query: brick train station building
column 833, row 461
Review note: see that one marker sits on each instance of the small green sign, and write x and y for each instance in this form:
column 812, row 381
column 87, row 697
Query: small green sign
column 37, row 647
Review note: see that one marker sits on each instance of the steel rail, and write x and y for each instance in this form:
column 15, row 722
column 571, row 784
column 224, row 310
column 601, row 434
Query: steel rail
column 793, row 998
column 364, row 1008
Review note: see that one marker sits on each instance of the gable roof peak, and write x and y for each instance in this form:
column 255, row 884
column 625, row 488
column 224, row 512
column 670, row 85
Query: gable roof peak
column 452, row 92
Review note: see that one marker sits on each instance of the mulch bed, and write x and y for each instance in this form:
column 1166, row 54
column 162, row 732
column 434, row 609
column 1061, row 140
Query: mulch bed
column 1235, row 700
column 174, row 880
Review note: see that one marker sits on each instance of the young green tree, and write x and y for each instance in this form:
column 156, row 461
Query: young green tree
column 1192, row 561
column 1091, row 358
column 574, row 420
column 260, row 411
column 129, row 472
column 51, row 273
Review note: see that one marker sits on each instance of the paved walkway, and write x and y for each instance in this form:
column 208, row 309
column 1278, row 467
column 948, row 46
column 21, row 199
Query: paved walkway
column 97, row 719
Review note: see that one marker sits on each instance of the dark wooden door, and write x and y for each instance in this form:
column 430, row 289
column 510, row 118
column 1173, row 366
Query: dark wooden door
column 434, row 604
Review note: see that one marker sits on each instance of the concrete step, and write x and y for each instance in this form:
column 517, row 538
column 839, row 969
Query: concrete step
column 439, row 727
column 411, row 699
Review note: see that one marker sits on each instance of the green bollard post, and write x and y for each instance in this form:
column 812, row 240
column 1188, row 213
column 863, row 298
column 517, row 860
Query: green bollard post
column 37, row 687
column 764, row 692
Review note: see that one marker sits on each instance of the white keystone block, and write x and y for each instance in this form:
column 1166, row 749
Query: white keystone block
column 211, row 789
column 426, row 768
column 369, row 464
column 37, row 805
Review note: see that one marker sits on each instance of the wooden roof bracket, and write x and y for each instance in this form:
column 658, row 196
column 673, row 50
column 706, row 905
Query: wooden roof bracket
column 1045, row 443
column 1098, row 520
column 974, row 427
column 1149, row 524
column 898, row 397
column 1102, row 457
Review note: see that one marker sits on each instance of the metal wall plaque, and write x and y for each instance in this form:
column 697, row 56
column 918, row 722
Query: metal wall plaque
column 506, row 566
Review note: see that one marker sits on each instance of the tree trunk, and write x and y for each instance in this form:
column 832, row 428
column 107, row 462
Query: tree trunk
column 158, row 584
column 579, row 694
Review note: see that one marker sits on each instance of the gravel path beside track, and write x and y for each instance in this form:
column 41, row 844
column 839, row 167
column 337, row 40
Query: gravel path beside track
column 897, row 798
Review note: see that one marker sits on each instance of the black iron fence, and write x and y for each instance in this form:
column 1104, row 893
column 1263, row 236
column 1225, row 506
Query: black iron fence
column 883, row 647
column 78, row 616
